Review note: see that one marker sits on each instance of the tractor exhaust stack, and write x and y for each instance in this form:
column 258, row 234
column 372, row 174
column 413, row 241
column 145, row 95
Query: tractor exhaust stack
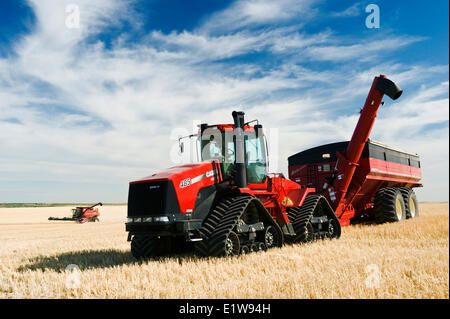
column 241, row 172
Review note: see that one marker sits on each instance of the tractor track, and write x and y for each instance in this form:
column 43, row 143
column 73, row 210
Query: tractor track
column 300, row 217
column 219, row 224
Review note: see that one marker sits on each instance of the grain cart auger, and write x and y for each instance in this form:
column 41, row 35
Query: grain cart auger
column 82, row 214
column 363, row 179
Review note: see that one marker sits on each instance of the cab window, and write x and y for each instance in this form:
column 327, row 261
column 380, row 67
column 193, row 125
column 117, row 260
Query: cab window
column 255, row 159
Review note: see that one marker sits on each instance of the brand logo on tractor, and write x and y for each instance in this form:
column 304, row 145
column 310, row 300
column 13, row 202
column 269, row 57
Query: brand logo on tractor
column 287, row 202
column 185, row 182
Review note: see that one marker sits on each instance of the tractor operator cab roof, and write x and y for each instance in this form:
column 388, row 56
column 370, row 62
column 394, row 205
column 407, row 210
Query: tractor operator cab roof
column 230, row 127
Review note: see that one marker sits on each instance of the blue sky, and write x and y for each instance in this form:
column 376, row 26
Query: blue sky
column 85, row 110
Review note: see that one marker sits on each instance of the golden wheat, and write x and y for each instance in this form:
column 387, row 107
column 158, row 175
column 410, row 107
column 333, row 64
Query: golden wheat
column 409, row 259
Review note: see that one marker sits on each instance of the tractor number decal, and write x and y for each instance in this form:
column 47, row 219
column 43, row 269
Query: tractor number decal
column 185, row 182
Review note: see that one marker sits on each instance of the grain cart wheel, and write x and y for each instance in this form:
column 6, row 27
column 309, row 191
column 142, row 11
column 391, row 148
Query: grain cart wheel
column 389, row 205
column 411, row 203
column 148, row 246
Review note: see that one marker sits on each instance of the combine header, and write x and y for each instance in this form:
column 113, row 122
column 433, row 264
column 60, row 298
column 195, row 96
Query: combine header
column 228, row 204
column 82, row 214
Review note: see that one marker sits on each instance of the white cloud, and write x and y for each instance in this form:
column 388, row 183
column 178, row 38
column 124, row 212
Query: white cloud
column 361, row 51
column 251, row 13
column 352, row 11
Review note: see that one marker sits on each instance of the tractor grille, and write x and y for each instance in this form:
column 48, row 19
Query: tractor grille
column 154, row 198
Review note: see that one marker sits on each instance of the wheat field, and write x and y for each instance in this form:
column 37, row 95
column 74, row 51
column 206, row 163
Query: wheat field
column 409, row 259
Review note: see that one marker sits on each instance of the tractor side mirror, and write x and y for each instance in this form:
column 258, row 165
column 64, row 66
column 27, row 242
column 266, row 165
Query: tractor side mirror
column 181, row 147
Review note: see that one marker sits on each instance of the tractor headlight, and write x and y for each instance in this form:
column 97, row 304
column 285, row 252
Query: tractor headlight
column 161, row 219
column 137, row 219
column 147, row 219
column 129, row 220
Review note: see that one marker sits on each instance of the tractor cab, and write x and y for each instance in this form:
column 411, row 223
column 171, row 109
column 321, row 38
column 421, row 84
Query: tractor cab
column 240, row 151
column 76, row 212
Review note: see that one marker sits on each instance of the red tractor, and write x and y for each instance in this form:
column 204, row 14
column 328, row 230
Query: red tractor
column 228, row 204
column 82, row 214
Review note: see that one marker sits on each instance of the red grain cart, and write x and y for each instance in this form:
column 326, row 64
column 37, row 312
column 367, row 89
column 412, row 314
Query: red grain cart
column 375, row 181
column 380, row 167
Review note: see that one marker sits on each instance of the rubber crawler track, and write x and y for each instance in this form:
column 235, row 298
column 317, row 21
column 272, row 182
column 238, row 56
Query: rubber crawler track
column 147, row 246
column 300, row 216
column 221, row 222
column 143, row 247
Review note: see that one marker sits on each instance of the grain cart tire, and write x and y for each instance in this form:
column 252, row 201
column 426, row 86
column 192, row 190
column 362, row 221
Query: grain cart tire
column 148, row 246
column 411, row 203
column 389, row 205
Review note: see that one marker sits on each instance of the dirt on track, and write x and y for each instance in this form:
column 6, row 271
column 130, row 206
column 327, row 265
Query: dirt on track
column 409, row 259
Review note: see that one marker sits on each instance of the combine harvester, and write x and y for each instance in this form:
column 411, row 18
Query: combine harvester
column 82, row 214
column 228, row 204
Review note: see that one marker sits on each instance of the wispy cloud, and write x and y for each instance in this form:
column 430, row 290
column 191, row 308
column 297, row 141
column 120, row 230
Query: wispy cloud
column 352, row 11
column 253, row 13
column 361, row 51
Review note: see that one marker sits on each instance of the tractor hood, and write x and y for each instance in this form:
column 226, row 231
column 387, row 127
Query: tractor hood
column 181, row 172
column 187, row 180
